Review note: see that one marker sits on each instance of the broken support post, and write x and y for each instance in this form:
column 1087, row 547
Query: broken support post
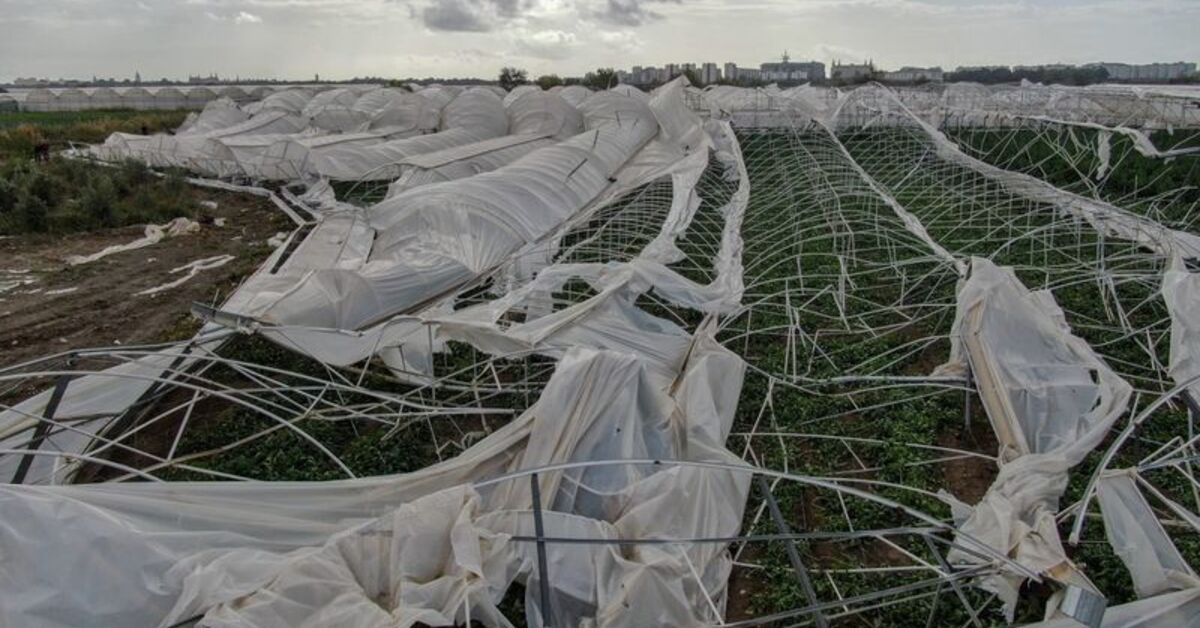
column 540, row 532
column 43, row 428
column 793, row 553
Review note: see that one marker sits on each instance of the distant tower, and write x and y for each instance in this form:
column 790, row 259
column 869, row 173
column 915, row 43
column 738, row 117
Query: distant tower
column 137, row 77
column 316, row 78
column 786, row 58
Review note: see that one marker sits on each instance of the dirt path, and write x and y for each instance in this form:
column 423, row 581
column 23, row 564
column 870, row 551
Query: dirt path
column 59, row 307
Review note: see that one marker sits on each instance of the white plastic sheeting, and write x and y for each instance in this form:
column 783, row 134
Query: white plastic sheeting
column 473, row 116
column 536, row 120
column 152, row 234
column 1050, row 400
column 1138, row 538
column 575, row 95
column 290, row 101
column 520, row 91
column 436, row 237
column 294, row 157
column 438, row 95
column 398, row 109
column 539, row 113
column 421, row 547
column 1104, row 217
column 1181, row 292
column 216, row 115
column 189, row 270
column 223, row 151
column 333, row 110
column 97, row 397
column 460, row 162
column 407, row 342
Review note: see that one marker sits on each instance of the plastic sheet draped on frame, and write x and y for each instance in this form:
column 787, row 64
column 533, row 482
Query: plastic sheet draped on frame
column 406, row 343
column 473, row 116
column 435, row 237
column 536, row 120
column 1050, row 400
column 424, row 546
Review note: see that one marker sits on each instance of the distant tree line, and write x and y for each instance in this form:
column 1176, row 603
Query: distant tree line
column 1060, row 76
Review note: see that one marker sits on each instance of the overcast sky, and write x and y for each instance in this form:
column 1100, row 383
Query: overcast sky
column 401, row 38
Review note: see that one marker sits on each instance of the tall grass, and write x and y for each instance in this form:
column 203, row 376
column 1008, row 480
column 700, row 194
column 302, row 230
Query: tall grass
column 21, row 131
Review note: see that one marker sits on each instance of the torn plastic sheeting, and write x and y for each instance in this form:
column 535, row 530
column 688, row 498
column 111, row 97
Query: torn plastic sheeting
column 120, row 146
column 342, row 347
column 607, row 321
column 724, row 293
column 153, row 234
column 610, row 320
column 1181, row 293
column 1104, row 217
column 405, row 342
column 232, row 156
column 1050, row 400
column 1138, row 538
column 1141, row 141
column 456, row 541
column 200, row 546
column 193, row 269
column 435, row 237
column 1103, row 152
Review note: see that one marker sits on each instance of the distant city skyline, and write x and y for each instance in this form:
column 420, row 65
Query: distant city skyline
column 340, row 39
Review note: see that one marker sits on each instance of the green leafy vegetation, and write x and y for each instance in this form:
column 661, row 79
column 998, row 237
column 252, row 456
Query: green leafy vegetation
column 67, row 196
column 64, row 196
column 511, row 77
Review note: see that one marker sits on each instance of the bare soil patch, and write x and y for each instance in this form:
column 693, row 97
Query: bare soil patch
column 96, row 304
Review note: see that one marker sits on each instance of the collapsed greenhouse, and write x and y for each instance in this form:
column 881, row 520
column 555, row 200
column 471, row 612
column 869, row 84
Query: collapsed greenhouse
column 696, row 357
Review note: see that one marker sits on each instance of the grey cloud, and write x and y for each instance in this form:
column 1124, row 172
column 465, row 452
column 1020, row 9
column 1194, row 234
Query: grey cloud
column 486, row 15
column 470, row 15
column 456, row 15
column 628, row 12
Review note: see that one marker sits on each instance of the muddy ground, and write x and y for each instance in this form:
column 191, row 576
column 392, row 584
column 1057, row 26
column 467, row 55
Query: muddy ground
column 60, row 307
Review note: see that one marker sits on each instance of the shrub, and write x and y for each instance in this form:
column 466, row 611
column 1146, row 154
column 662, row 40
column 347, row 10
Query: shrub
column 98, row 201
column 31, row 213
